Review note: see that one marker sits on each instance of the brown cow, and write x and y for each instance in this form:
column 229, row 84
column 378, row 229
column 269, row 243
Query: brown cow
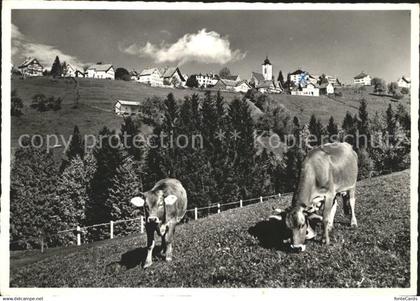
column 327, row 171
column 164, row 205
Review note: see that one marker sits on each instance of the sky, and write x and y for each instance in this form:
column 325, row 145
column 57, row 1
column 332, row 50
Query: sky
column 337, row 43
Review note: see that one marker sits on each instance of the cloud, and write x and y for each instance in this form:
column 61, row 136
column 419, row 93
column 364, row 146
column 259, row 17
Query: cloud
column 164, row 31
column 203, row 46
column 22, row 47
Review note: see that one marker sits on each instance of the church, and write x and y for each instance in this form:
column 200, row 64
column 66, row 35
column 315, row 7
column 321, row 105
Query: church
column 264, row 82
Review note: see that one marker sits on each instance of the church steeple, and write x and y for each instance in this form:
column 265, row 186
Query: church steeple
column 266, row 61
column 267, row 69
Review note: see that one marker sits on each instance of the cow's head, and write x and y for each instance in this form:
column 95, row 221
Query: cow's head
column 156, row 206
column 297, row 220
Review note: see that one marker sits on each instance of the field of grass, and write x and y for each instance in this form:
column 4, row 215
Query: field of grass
column 240, row 248
column 97, row 98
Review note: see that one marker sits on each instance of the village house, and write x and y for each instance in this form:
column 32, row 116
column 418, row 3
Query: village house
column 134, row 75
column 79, row 73
column 235, row 78
column 151, row 77
column 126, row 107
column 242, row 87
column 326, row 88
column 31, row 67
column 333, row 80
column 225, row 85
column 299, row 76
column 269, row 86
column 256, row 79
column 404, row 82
column 362, row 79
column 207, row 80
column 103, row 71
column 309, row 90
column 172, row 77
column 68, row 70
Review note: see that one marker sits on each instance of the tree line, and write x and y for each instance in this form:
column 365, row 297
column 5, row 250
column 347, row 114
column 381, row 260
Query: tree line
column 95, row 186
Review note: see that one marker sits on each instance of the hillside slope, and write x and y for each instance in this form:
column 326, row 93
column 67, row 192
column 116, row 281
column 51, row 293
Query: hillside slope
column 239, row 248
column 97, row 98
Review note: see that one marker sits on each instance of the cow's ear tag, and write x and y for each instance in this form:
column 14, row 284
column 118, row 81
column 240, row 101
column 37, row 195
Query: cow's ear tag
column 137, row 201
column 170, row 199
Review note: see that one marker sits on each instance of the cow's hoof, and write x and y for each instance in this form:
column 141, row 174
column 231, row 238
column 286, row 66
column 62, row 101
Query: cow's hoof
column 353, row 225
column 147, row 264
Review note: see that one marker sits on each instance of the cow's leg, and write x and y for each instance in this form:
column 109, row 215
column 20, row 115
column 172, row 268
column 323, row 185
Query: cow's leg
column 163, row 250
column 169, row 241
column 346, row 204
column 328, row 216
column 150, row 231
column 352, row 195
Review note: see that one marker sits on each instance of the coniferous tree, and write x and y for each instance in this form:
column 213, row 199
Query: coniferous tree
column 332, row 130
column 363, row 125
column 124, row 185
column 349, row 127
column 56, row 69
column 315, row 127
column 35, row 211
column 109, row 157
column 76, row 148
column 72, row 193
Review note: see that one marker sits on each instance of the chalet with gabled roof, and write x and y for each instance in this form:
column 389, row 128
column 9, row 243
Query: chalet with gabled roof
column 31, row 67
column 100, row 70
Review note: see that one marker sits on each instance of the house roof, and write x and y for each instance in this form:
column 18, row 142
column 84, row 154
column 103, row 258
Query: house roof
column 169, row 72
column 29, row 61
column 128, row 102
column 361, row 75
column 242, row 82
column 228, row 82
column 298, row 71
column 100, row 67
column 231, row 77
column 266, row 84
column 148, row 71
column 258, row 76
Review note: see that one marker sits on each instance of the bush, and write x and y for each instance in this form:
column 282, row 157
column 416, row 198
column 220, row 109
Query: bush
column 39, row 102
column 398, row 95
column 365, row 164
column 405, row 90
column 16, row 105
column 42, row 104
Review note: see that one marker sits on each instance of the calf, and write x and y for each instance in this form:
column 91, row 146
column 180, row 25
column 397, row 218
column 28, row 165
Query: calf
column 164, row 206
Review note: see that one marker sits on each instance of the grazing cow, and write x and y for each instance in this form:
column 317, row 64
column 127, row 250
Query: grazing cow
column 164, row 206
column 327, row 171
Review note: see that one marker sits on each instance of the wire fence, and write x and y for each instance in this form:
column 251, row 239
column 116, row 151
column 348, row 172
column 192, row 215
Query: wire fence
column 79, row 232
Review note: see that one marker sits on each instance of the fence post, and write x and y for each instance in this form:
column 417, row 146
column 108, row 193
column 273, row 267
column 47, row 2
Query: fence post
column 279, row 195
column 261, row 199
column 240, row 203
column 42, row 244
column 218, row 208
column 78, row 236
column 141, row 225
column 195, row 213
column 111, row 232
